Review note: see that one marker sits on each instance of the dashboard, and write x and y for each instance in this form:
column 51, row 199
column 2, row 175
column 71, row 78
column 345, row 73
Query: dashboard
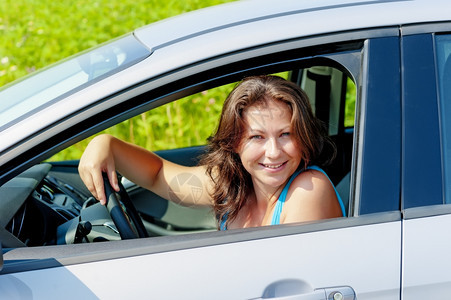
column 38, row 209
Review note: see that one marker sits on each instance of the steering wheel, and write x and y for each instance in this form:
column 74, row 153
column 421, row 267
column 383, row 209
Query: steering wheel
column 123, row 212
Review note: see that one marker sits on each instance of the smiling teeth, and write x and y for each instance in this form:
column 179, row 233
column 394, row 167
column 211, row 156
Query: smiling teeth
column 273, row 166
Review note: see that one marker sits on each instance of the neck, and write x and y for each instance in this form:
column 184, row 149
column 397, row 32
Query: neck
column 265, row 195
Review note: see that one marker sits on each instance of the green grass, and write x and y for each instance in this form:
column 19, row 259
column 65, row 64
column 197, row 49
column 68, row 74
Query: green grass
column 36, row 33
column 351, row 95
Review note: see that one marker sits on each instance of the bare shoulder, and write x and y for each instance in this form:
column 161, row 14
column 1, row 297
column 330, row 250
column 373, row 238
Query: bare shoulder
column 311, row 196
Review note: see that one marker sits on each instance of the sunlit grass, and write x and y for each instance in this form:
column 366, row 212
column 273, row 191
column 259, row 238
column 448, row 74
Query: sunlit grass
column 36, row 33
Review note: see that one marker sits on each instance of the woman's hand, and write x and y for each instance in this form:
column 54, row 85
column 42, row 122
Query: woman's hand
column 97, row 158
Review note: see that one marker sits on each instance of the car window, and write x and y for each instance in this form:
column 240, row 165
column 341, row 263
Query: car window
column 443, row 53
column 177, row 127
column 183, row 124
column 186, row 122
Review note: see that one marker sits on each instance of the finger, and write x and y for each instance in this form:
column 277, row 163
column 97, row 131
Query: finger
column 87, row 180
column 90, row 186
column 99, row 187
column 112, row 177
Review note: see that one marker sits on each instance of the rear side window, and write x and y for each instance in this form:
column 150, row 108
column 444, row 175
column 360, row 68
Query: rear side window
column 443, row 53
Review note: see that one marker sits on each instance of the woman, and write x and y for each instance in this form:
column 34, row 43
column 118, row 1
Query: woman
column 260, row 167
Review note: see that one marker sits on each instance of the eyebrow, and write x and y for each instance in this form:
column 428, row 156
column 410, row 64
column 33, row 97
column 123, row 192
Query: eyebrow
column 254, row 129
column 284, row 129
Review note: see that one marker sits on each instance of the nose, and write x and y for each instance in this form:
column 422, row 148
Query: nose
column 272, row 148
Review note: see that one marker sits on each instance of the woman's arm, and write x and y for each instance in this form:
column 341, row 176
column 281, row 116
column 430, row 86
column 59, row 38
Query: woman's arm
column 185, row 185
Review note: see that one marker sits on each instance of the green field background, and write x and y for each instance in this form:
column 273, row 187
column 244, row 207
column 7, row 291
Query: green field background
column 37, row 33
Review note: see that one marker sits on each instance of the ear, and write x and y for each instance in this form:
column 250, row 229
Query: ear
column 237, row 149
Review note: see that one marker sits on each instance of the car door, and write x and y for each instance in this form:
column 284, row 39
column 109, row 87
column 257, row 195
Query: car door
column 359, row 255
column 426, row 185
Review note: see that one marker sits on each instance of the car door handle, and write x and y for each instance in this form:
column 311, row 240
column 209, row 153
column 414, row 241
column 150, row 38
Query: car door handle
column 298, row 290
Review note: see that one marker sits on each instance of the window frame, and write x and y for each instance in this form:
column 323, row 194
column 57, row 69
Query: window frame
column 378, row 162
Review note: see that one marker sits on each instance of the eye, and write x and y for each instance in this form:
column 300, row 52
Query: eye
column 285, row 134
column 255, row 137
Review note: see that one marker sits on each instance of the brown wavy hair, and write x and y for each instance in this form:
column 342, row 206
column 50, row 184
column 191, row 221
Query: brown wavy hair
column 232, row 183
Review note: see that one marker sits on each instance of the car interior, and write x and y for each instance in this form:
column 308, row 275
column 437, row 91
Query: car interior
column 49, row 205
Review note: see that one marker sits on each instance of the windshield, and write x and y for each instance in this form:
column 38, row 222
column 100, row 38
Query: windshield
column 17, row 100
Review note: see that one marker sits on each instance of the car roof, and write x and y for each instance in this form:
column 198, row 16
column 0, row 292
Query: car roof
column 241, row 25
column 314, row 17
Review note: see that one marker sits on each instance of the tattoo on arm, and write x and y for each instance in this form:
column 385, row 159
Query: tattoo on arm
column 185, row 189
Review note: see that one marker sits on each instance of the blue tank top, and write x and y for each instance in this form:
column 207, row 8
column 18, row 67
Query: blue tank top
column 283, row 195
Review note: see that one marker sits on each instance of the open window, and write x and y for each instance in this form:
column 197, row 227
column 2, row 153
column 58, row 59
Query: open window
column 179, row 131
column 176, row 120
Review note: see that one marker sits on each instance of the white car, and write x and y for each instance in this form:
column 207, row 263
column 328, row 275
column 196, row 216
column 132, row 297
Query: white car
column 393, row 167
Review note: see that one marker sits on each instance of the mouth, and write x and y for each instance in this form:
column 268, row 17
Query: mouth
column 273, row 166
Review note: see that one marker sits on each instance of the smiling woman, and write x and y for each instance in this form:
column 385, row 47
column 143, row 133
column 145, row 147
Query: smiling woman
column 266, row 133
column 267, row 141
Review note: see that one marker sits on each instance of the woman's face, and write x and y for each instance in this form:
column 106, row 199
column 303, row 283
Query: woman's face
column 268, row 149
